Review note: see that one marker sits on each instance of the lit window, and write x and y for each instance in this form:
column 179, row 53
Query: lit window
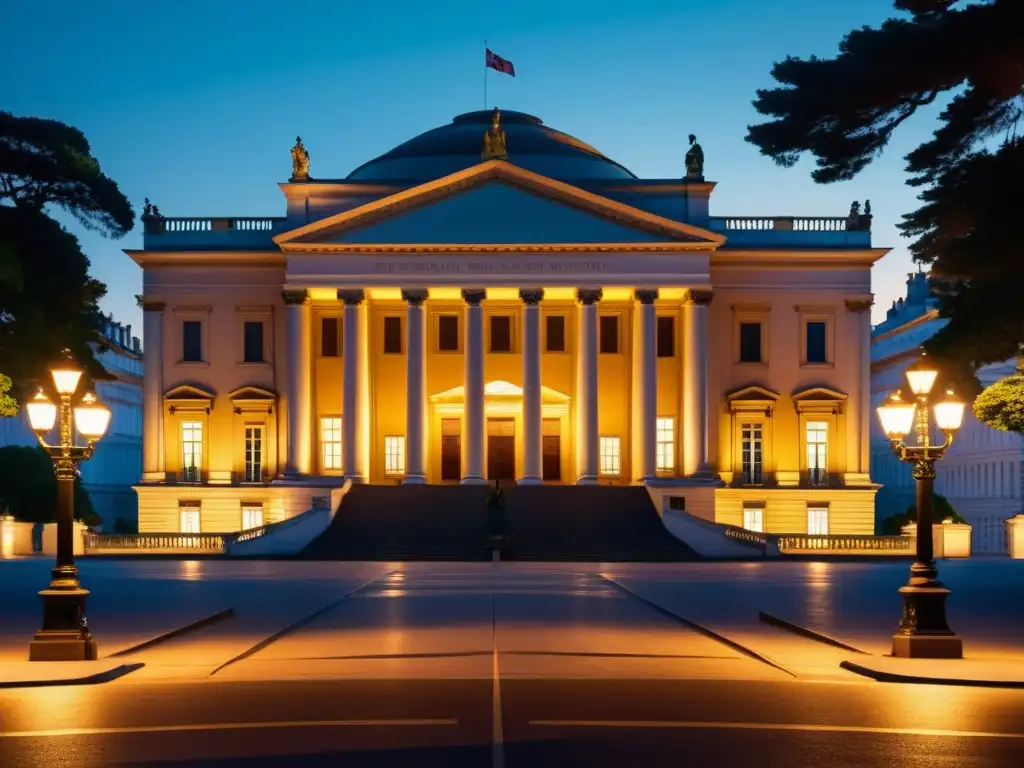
column 330, row 442
column 817, row 452
column 610, row 461
column 191, row 451
column 253, row 454
column 666, row 444
column 753, row 519
column 752, row 455
column 817, row 521
column 189, row 518
column 252, row 516
column 394, row 455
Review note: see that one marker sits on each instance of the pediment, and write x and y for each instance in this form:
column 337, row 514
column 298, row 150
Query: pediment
column 187, row 392
column 818, row 400
column 252, row 393
column 499, row 390
column 492, row 203
column 752, row 398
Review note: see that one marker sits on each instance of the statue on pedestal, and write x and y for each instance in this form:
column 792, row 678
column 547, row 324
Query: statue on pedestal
column 695, row 160
column 494, row 140
column 300, row 161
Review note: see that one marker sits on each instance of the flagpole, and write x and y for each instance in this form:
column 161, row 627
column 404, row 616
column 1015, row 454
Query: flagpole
column 485, row 75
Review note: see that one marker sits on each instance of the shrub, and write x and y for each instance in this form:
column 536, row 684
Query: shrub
column 1001, row 405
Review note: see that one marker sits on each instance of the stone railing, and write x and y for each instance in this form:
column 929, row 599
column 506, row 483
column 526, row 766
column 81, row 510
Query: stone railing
column 746, row 536
column 118, row 543
column 163, row 225
column 849, row 544
column 783, row 223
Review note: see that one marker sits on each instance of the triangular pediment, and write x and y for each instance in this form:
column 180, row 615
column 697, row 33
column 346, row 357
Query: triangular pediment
column 753, row 393
column 818, row 393
column 251, row 393
column 496, row 202
column 187, row 392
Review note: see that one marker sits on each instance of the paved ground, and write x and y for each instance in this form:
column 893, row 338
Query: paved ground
column 507, row 665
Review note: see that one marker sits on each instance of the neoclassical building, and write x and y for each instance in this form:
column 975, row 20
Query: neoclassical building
column 496, row 300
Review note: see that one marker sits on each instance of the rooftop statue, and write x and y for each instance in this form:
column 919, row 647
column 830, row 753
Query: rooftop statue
column 494, row 140
column 695, row 160
column 300, row 161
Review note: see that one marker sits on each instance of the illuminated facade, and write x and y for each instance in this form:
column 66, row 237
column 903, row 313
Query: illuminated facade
column 438, row 317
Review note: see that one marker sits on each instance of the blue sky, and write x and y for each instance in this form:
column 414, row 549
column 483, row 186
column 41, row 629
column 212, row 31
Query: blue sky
column 195, row 103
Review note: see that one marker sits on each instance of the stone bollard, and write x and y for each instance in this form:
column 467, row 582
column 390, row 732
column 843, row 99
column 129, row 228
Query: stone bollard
column 50, row 539
column 951, row 539
column 15, row 538
column 1015, row 537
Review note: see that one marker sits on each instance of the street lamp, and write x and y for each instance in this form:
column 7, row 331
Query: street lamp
column 65, row 634
column 923, row 632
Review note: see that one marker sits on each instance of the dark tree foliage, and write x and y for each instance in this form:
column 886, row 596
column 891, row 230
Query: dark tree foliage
column 47, row 299
column 28, row 487
column 941, row 510
column 844, row 110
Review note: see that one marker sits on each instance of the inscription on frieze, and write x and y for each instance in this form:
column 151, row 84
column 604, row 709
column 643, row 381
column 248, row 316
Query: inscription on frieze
column 484, row 267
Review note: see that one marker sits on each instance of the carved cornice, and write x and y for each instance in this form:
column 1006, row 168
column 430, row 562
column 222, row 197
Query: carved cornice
column 293, row 297
column 531, row 296
column 860, row 304
column 494, row 248
column 699, row 298
column 415, row 296
column 589, row 296
column 646, row 295
column 353, row 296
column 152, row 305
column 473, row 296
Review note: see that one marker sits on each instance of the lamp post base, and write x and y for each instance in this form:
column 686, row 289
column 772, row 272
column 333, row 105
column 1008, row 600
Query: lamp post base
column 923, row 632
column 65, row 635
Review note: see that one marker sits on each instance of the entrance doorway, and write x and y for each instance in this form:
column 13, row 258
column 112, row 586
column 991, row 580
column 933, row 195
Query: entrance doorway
column 552, row 451
column 501, row 449
column 451, row 450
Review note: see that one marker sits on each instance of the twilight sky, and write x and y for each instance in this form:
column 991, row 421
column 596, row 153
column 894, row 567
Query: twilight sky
column 196, row 103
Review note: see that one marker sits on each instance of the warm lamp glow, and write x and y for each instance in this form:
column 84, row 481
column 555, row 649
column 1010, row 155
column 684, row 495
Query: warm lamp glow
column 91, row 417
column 921, row 376
column 42, row 413
column 66, row 374
column 949, row 412
column 897, row 417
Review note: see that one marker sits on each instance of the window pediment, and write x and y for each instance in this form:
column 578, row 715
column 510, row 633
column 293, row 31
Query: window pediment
column 252, row 399
column 752, row 399
column 189, row 397
column 819, row 400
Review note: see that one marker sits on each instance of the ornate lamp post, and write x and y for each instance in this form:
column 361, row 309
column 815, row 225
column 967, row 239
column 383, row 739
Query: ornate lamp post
column 923, row 631
column 65, row 635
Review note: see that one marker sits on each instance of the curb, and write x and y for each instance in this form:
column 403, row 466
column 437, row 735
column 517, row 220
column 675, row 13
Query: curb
column 895, row 677
column 811, row 634
column 206, row 621
column 95, row 679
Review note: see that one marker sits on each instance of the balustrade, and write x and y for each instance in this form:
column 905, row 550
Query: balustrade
column 210, row 543
column 848, row 544
column 164, row 225
column 781, row 223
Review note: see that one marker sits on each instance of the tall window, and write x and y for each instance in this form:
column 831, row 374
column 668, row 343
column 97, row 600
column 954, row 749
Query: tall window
column 555, row 333
column 501, row 333
column 392, row 335
column 330, row 339
column 253, row 342
column 666, row 455
column 192, row 341
column 750, row 343
column 817, row 521
column 252, row 516
column 330, row 442
column 817, row 452
column 610, row 462
column 448, row 333
column 189, row 516
column 817, row 349
column 253, row 454
column 394, row 455
column 753, row 519
column 192, row 451
column 609, row 334
column 666, row 334
column 751, row 450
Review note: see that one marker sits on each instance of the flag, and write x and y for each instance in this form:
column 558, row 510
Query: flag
column 501, row 65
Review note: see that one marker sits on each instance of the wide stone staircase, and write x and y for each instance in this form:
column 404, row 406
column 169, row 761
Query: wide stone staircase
column 539, row 523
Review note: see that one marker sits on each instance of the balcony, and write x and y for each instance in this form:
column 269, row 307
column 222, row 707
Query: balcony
column 194, row 233
column 793, row 231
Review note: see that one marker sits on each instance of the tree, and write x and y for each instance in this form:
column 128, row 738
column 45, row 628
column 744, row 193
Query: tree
column 48, row 302
column 8, row 405
column 844, row 110
column 941, row 510
column 1001, row 405
column 28, row 487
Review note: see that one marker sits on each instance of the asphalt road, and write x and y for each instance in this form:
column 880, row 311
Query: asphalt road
column 583, row 722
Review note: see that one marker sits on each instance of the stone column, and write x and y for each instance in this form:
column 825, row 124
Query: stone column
column 153, row 466
column 415, row 388
column 473, row 421
column 695, row 383
column 533, row 471
column 858, row 417
column 297, row 321
column 353, row 413
column 586, row 387
column 647, row 390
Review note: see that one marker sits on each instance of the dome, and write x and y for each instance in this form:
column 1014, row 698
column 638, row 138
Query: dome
column 456, row 146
